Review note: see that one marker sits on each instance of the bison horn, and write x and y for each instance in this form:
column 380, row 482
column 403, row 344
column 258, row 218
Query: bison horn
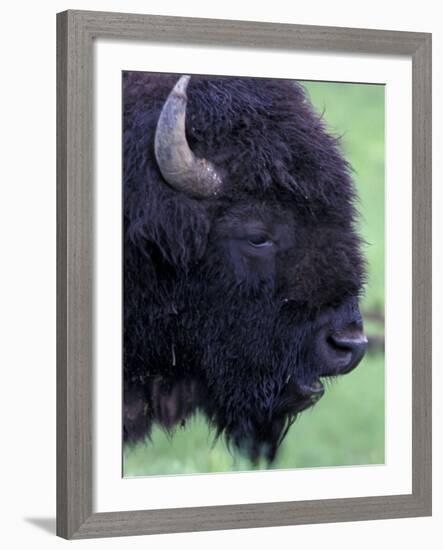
column 178, row 164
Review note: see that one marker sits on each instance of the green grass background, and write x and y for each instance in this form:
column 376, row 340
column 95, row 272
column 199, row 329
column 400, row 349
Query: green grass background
column 346, row 427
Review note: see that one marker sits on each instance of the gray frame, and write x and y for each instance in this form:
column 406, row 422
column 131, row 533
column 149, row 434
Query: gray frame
column 76, row 31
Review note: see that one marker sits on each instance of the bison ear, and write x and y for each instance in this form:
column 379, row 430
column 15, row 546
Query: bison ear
column 182, row 230
column 175, row 224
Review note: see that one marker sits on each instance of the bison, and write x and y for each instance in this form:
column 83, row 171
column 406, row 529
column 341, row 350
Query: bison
column 242, row 263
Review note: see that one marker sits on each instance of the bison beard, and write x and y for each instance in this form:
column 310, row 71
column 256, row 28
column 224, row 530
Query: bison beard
column 236, row 302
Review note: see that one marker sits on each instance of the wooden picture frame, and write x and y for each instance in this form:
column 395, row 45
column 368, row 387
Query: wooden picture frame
column 76, row 32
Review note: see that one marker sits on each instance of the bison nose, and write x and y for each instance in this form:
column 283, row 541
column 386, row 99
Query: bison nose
column 344, row 350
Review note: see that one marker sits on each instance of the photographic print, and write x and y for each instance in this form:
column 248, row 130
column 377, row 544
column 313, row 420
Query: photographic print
column 221, row 274
column 253, row 274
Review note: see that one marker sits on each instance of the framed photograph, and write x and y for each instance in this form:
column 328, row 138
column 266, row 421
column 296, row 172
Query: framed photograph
column 243, row 275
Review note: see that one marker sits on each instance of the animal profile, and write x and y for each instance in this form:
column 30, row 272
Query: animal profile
column 242, row 262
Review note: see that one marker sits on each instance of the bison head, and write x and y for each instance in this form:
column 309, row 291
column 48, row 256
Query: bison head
column 242, row 263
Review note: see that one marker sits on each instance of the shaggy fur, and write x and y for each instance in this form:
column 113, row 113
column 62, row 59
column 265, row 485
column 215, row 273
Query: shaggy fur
column 211, row 323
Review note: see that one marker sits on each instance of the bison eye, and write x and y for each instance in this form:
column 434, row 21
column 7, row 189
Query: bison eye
column 260, row 241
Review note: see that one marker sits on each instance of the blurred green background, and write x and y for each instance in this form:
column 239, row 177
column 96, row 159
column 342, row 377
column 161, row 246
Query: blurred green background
column 346, row 427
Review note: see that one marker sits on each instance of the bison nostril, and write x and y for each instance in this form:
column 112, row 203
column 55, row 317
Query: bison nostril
column 344, row 351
